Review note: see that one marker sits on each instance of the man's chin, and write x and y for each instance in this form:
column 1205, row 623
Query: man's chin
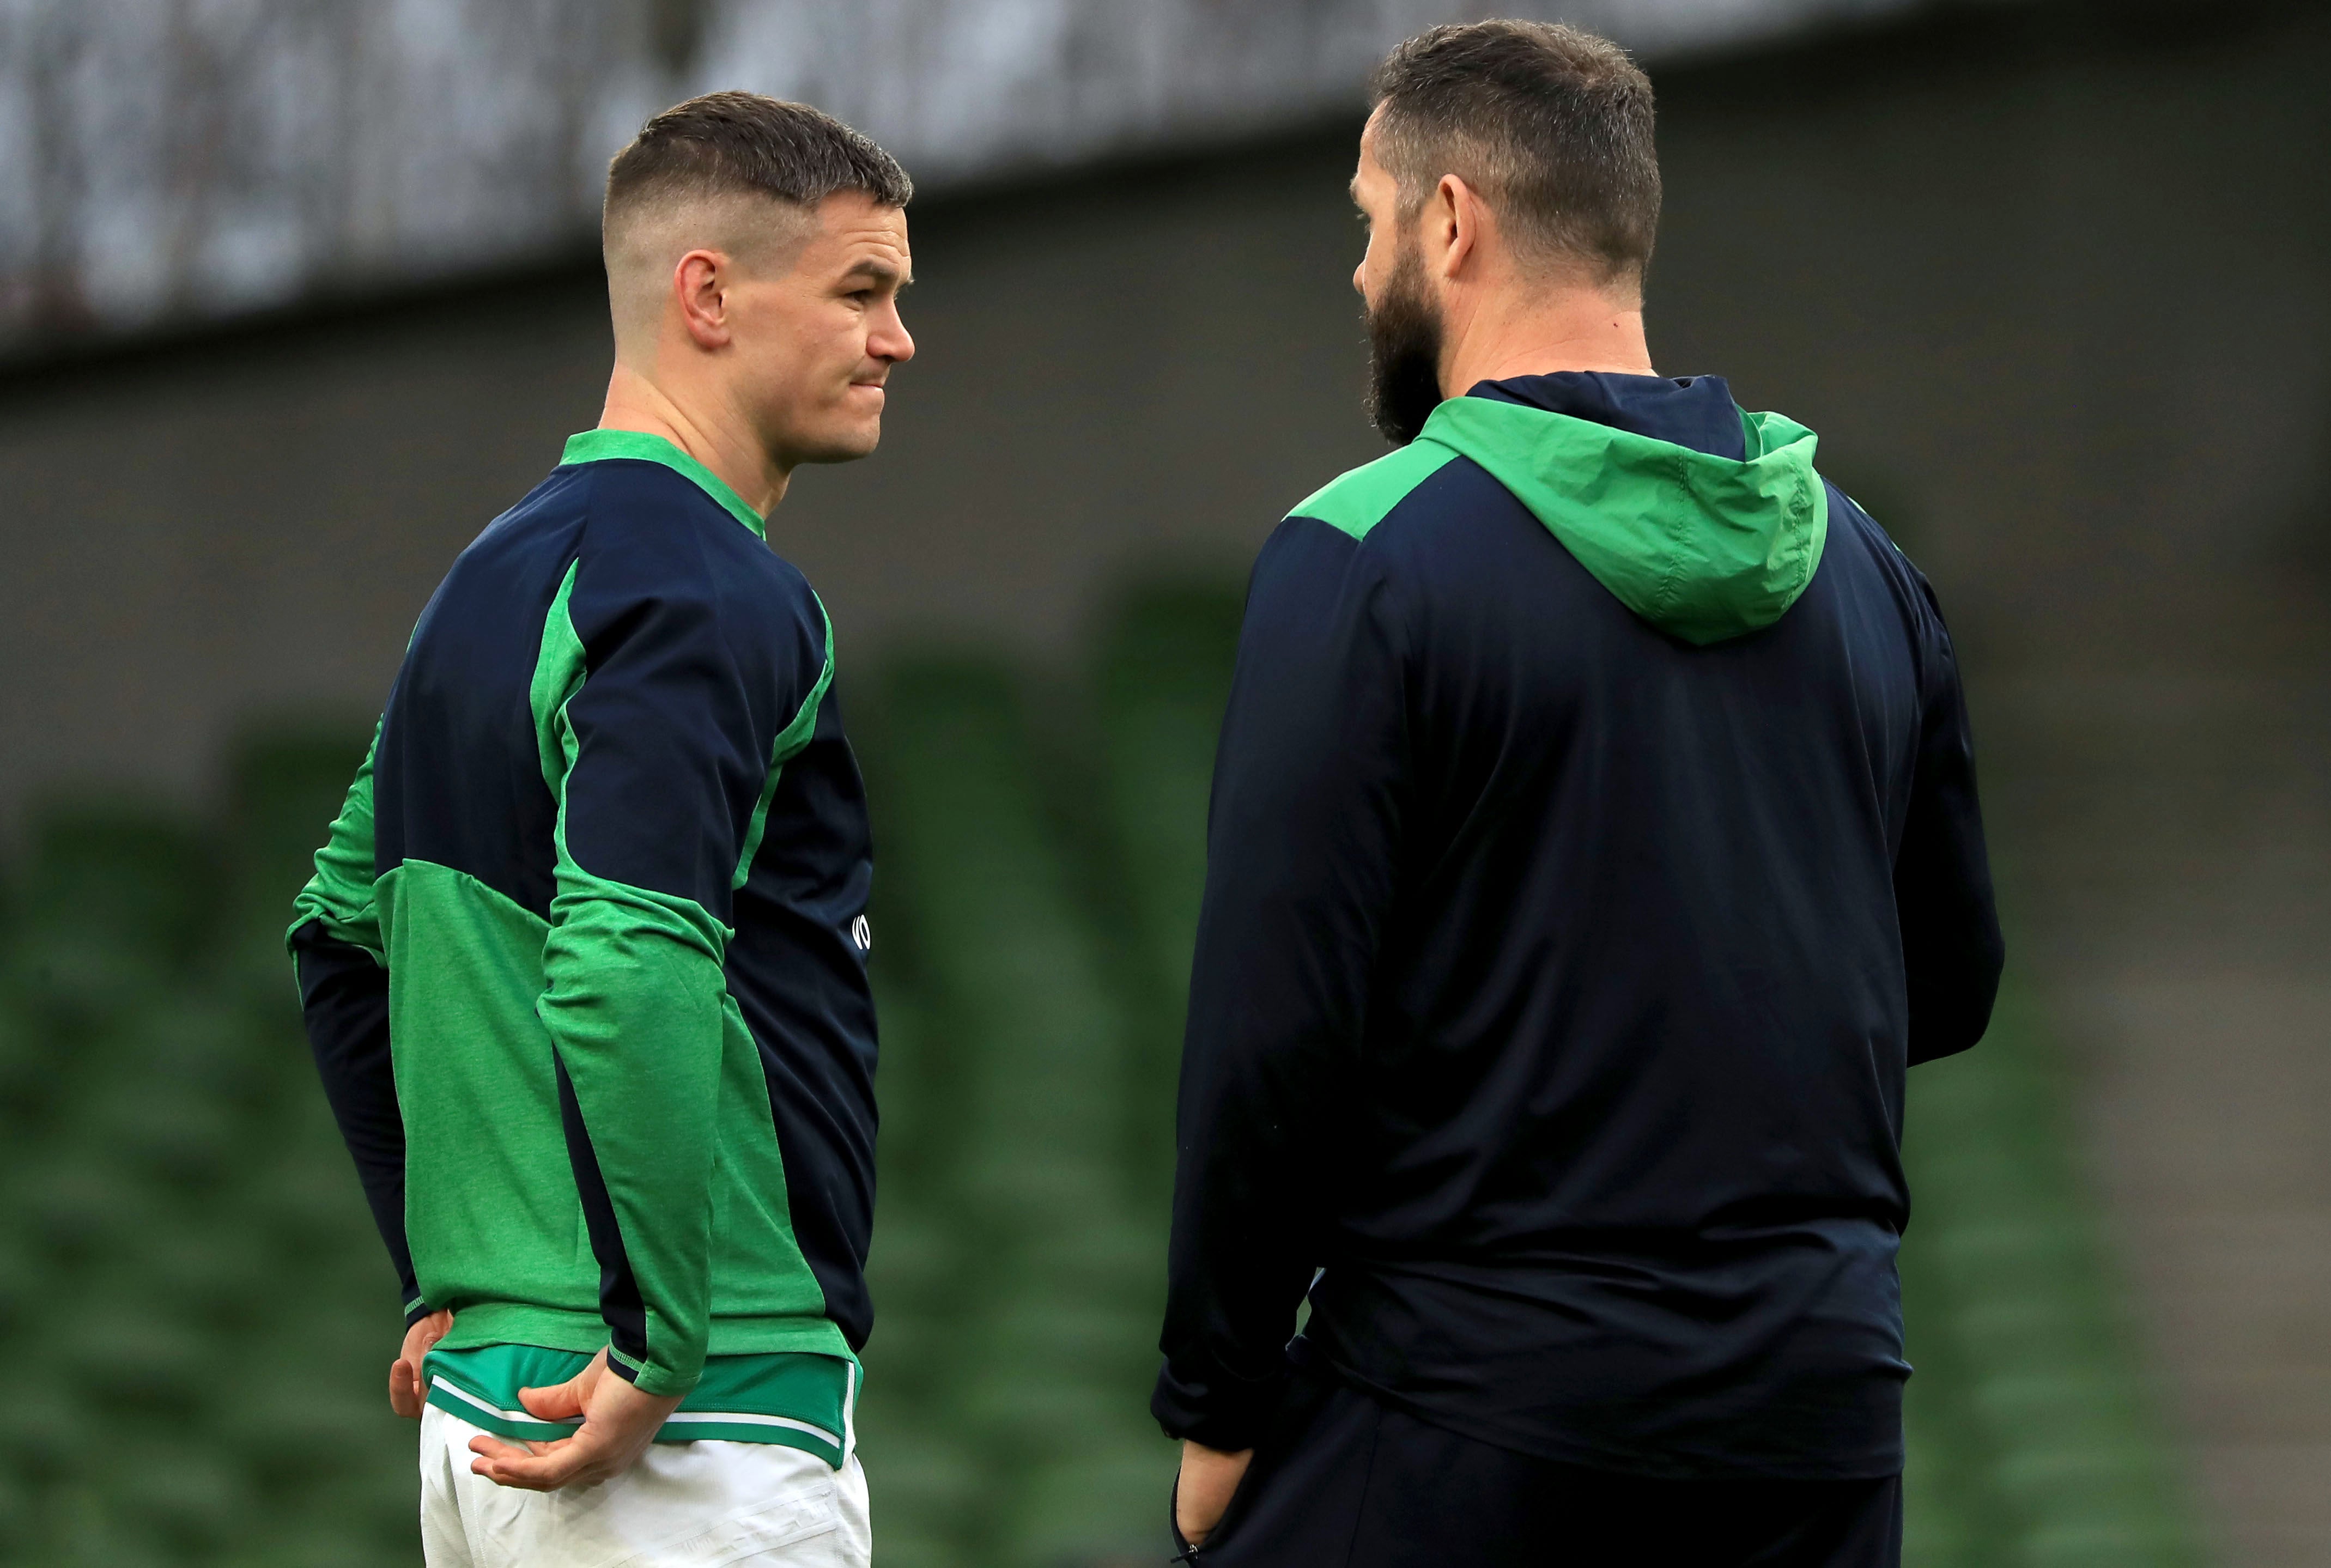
column 842, row 445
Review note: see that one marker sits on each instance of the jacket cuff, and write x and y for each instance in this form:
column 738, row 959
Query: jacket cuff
column 1226, row 1413
column 648, row 1378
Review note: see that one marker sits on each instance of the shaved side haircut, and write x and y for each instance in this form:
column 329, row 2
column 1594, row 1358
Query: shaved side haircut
column 1552, row 126
column 729, row 171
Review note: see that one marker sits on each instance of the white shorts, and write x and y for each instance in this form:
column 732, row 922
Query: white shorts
column 699, row 1504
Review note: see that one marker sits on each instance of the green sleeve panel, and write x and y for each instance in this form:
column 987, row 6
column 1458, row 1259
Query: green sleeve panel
column 339, row 896
column 632, row 1003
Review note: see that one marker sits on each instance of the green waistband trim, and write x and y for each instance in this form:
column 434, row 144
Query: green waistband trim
column 599, row 445
column 482, row 1323
column 799, row 1400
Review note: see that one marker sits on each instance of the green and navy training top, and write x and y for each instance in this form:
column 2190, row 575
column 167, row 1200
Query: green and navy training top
column 584, row 964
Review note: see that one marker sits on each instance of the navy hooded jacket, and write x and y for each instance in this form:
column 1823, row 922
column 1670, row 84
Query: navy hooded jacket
column 1594, row 845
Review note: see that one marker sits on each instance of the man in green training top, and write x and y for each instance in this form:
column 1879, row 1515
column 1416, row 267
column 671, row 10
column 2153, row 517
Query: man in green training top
column 583, row 961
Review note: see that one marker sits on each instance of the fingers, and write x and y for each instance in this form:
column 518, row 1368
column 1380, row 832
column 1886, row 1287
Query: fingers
column 405, row 1395
column 407, row 1392
column 565, row 1400
column 565, row 1462
column 494, row 1448
column 561, row 1402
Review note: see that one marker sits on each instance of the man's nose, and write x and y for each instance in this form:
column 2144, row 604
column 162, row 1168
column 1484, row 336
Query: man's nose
column 893, row 343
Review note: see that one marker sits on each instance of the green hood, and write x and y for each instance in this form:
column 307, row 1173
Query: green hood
column 1702, row 547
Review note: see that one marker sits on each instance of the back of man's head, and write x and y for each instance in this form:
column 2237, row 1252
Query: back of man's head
column 1552, row 126
column 734, row 172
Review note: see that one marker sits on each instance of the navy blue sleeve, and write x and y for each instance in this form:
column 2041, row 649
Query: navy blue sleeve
column 1952, row 952
column 344, row 999
column 1303, row 836
column 687, row 683
column 340, row 960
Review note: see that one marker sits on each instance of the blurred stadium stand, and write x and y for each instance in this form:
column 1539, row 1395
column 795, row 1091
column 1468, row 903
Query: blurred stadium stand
column 204, row 1314
column 2048, row 280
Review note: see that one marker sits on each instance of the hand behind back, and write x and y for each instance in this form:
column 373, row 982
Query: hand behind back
column 619, row 1422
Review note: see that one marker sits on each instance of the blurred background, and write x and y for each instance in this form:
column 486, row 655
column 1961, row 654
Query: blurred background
column 295, row 295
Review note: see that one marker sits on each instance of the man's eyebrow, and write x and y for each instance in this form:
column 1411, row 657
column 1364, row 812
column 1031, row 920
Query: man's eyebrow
column 879, row 272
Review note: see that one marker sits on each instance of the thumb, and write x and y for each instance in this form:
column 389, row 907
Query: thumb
column 561, row 1402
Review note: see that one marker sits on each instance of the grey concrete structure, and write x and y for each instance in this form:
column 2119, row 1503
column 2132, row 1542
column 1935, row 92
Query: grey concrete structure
column 168, row 160
column 2050, row 287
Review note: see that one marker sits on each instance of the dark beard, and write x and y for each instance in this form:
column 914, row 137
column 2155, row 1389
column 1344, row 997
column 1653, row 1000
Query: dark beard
column 1404, row 355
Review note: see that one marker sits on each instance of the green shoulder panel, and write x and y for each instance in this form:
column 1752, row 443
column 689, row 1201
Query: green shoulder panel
column 1358, row 500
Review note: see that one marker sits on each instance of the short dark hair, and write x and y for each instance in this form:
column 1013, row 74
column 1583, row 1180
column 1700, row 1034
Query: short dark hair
column 726, row 143
column 1551, row 124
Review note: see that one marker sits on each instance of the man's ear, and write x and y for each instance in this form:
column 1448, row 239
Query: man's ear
column 700, row 284
column 1454, row 219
